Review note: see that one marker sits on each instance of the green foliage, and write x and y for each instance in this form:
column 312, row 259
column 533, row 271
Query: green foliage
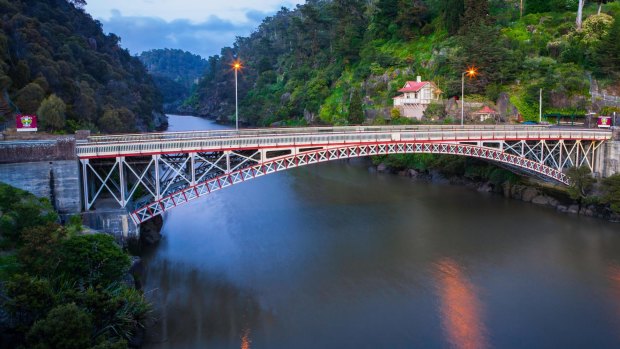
column 611, row 190
column 29, row 298
column 39, row 248
column 58, row 284
column 55, row 47
column 356, row 111
column 29, row 98
column 309, row 59
column 20, row 210
column 52, row 113
column 66, row 326
column 581, row 182
column 117, row 121
column 92, row 260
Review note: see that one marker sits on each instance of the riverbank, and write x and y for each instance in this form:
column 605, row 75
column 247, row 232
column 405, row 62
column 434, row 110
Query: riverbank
column 525, row 189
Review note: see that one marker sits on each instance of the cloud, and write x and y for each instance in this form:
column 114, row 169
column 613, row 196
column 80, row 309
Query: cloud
column 206, row 38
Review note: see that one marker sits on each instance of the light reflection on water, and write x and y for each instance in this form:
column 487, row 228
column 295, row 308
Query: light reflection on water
column 331, row 256
column 461, row 311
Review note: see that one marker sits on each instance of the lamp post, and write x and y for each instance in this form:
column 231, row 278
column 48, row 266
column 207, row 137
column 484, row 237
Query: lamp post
column 236, row 66
column 470, row 72
column 540, row 107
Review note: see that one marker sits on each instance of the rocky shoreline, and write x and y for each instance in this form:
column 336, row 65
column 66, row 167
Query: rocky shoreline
column 532, row 192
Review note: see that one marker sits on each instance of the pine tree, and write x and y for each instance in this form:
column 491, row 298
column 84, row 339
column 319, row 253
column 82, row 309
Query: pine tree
column 356, row 112
column 452, row 12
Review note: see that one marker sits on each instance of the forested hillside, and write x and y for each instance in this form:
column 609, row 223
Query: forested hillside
column 175, row 72
column 327, row 61
column 56, row 61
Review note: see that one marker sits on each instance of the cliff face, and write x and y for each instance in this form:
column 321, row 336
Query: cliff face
column 53, row 47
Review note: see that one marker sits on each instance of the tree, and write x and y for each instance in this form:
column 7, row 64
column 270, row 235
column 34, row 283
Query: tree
column 20, row 210
column 29, row 298
column 66, row 326
column 29, row 98
column 116, row 120
column 607, row 56
column 39, row 248
column 580, row 182
column 600, row 4
column 452, row 12
column 52, row 113
column 92, row 260
column 356, row 112
column 476, row 13
column 611, row 192
column 580, row 13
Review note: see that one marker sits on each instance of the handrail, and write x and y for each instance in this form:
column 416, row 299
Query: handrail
column 230, row 140
column 297, row 130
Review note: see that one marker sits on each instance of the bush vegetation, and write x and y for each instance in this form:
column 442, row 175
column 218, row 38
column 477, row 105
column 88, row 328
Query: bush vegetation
column 60, row 288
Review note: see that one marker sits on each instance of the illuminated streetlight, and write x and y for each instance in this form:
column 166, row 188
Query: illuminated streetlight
column 471, row 73
column 236, row 66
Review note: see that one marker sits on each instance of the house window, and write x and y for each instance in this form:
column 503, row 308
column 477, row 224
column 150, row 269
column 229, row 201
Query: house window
column 426, row 93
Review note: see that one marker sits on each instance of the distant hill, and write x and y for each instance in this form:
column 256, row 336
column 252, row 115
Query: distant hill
column 314, row 63
column 176, row 73
column 53, row 47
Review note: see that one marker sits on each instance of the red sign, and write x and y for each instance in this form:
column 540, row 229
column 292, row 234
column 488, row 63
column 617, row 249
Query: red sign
column 26, row 122
column 604, row 121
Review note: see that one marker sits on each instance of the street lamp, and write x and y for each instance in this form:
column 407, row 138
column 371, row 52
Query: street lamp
column 470, row 72
column 236, row 66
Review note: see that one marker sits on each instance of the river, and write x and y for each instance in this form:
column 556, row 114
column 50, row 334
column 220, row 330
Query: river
column 335, row 256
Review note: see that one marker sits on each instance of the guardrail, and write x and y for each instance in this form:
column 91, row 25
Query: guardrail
column 136, row 145
column 297, row 130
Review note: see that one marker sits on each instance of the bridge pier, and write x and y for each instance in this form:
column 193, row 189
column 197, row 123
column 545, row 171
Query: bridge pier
column 609, row 163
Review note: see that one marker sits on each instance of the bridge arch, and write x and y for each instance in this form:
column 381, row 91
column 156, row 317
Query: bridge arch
column 259, row 168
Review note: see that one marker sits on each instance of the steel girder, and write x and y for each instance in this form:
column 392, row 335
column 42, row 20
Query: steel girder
column 151, row 185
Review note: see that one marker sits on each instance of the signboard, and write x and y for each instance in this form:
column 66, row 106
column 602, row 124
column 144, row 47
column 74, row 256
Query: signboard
column 604, row 121
column 26, row 123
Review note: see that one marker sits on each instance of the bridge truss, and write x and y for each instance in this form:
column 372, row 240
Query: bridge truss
column 151, row 184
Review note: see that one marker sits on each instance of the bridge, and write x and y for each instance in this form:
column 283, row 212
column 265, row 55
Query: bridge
column 153, row 173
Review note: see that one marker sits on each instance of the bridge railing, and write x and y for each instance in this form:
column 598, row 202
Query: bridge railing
column 297, row 130
column 213, row 141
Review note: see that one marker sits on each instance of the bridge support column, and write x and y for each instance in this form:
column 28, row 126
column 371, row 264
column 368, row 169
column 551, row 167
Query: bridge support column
column 609, row 159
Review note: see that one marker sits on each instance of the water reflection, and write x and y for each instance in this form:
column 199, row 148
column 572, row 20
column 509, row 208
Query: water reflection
column 245, row 339
column 193, row 306
column 613, row 275
column 460, row 309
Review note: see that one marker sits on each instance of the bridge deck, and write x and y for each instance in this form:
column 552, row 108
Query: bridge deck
column 161, row 143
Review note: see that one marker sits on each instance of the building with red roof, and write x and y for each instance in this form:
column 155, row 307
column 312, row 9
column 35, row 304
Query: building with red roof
column 415, row 97
column 485, row 113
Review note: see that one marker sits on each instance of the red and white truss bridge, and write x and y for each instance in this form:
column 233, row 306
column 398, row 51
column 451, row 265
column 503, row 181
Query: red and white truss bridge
column 153, row 173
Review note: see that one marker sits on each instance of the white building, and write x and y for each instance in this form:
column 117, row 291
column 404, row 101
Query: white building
column 416, row 97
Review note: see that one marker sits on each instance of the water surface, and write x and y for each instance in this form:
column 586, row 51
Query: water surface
column 334, row 256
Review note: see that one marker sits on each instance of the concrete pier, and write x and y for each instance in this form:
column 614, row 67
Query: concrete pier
column 610, row 156
column 58, row 181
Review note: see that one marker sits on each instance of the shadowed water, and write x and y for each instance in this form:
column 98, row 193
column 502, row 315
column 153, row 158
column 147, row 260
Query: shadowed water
column 333, row 256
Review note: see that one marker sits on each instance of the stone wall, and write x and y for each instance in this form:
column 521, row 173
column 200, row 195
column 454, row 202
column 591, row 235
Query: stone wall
column 16, row 151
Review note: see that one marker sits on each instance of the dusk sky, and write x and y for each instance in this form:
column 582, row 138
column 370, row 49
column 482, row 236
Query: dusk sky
column 201, row 27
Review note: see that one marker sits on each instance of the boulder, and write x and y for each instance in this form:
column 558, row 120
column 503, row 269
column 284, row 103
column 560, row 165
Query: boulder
column 382, row 167
column 485, row 188
column 573, row 209
column 541, row 200
column 529, row 194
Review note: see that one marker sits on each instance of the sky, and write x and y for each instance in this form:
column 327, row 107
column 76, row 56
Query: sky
column 199, row 26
